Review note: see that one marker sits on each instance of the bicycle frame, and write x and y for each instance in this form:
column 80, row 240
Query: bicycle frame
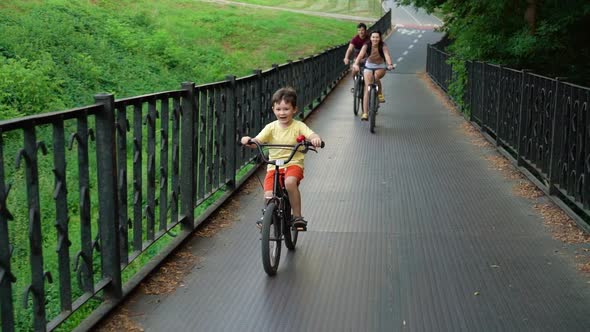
column 358, row 90
column 372, row 103
column 374, row 84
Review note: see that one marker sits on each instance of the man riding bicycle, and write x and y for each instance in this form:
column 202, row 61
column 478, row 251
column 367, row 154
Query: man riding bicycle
column 355, row 45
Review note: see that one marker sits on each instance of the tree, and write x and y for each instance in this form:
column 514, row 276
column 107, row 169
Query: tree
column 548, row 36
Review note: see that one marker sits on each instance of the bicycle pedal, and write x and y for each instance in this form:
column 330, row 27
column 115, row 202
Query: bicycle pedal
column 300, row 229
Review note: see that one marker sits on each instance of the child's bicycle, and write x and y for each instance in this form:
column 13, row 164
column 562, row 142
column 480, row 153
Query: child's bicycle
column 276, row 219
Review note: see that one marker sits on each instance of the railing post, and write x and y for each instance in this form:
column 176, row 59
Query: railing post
column 521, row 119
column 231, row 130
column 484, row 118
column 499, row 99
column 108, row 212
column 257, row 101
column 6, row 276
column 556, row 130
column 274, row 82
column 470, row 86
column 428, row 59
column 187, row 156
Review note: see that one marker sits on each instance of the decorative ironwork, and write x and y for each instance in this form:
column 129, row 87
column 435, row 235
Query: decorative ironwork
column 542, row 122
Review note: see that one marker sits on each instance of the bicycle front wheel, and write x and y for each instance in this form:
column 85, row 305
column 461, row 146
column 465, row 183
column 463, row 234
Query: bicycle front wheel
column 271, row 239
column 357, row 95
column 372, row 108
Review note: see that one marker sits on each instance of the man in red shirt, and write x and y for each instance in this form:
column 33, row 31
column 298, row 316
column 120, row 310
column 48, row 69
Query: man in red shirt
column 355, row 45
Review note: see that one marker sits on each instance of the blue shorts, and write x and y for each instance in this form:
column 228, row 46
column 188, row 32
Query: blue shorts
column 371, row 65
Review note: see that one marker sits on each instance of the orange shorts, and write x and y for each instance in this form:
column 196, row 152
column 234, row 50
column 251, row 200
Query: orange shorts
column 294, row 170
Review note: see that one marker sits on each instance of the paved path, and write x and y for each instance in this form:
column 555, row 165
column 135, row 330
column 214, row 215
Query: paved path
column 299, row 11
column 410, row 229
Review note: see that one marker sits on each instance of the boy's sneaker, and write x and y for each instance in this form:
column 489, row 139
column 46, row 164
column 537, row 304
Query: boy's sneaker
column 381, row 98
column 299, row 223
column 364, row 117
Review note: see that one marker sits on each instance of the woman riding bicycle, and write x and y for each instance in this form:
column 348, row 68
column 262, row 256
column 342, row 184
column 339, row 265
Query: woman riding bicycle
column 285, row 130
column 378, row 58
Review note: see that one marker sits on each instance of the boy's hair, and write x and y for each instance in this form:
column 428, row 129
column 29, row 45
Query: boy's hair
column 361, row 25
column 288, row 95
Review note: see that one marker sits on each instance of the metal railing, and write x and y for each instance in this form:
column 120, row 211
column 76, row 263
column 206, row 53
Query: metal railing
column 124, row 173
column 540, row 123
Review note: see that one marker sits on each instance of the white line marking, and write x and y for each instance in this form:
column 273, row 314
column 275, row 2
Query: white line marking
column 400, row 59
column 420, row 36
column 415, row 40
column 412, row 16
column 405, row 53
column 411, row 46
column 441, row 22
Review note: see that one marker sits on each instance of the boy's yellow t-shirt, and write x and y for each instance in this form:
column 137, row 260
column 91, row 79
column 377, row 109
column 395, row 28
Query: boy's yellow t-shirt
column 274, row 134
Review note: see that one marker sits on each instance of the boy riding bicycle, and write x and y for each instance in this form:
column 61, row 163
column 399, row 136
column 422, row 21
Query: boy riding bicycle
column 285, row 130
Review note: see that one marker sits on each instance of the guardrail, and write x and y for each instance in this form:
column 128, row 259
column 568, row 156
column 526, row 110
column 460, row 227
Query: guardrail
column 122, row 174
column 539, row 123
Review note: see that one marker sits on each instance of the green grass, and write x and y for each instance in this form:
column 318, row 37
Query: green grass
column 57, row 54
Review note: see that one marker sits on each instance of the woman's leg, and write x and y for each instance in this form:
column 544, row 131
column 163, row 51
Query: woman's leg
column 379, row 75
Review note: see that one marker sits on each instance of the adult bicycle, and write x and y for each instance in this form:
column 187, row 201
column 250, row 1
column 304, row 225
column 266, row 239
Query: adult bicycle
column 358, row 90
column 373, row 91
column 276, row 217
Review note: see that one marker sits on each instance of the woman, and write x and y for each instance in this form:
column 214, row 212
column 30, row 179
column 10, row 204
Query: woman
column 378, row 58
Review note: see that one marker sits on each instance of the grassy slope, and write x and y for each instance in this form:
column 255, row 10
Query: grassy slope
column 79, row 48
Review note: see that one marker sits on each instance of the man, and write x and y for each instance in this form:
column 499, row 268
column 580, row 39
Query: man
column 355, row 45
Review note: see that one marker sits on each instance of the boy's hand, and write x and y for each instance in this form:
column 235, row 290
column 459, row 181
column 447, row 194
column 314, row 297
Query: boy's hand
column 245, row 140
column 316, row 141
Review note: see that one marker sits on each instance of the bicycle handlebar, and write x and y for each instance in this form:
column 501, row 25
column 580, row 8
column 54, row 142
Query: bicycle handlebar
column 294, row 148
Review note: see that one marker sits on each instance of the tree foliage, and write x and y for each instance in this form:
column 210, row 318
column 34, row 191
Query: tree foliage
column 549, row 37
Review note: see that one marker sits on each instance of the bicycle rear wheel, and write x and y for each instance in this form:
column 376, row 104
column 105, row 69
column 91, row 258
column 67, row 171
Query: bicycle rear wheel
column 291, row 234
column 357, row 95
column 372, row 108
column 271, row 239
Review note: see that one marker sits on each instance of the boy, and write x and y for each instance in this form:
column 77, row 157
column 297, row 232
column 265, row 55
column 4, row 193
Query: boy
column 285, row 130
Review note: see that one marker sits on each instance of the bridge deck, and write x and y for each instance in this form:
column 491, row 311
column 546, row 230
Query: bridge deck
column 410, row 229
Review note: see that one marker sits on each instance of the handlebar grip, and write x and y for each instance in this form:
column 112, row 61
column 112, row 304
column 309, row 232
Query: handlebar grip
column 323, row 144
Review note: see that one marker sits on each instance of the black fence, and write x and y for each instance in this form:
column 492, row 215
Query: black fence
column 120, row 175
column 541, row 124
